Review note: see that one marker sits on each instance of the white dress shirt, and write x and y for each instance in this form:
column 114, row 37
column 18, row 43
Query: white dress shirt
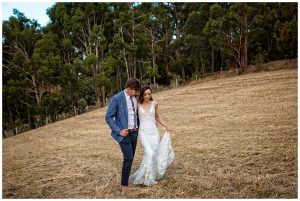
column 130, row 111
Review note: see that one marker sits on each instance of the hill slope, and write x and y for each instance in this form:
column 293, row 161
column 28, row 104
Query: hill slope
column 233, row 138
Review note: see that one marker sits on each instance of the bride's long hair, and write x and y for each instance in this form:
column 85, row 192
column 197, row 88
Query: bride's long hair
column 141, row 96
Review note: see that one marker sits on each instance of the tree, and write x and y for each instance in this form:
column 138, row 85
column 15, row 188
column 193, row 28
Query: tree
column 88, row 50
column 178, row 14
column 85, row 25
column 230, row 28
column 196, row 43
column 19, row 37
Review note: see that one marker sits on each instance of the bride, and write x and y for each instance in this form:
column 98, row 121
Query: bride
column 158, row 155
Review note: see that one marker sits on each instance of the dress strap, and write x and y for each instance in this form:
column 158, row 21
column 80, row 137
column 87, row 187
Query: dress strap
column 152, row 104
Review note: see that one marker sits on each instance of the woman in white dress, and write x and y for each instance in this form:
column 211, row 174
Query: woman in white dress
column 158, row 155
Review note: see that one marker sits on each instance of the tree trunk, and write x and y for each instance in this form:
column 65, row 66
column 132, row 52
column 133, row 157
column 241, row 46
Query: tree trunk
column 202, row 65
column 153, row 54
column 30, row 119
column 97, row 67
column 134, row 54
column 183, row 74
column 140, row 70
column 98, row 96
column 243, row 54
column 29, row 116
column 222, row 61
column 212, row 60
column 197, row 67
column 12, row 122
column 166, row 65
column 218, row 61
column 35, row 87
column 125, row 57
column 134, row 65
column 103, row 96
column 126, row 64
column 118, row 79
column 75, row 110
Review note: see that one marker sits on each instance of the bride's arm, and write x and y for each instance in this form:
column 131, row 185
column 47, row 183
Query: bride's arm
column 158, row 119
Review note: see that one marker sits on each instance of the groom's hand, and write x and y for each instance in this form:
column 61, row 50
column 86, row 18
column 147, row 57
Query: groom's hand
column 124, row 132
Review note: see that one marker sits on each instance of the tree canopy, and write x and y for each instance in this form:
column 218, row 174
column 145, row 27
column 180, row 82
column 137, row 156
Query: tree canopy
column 88, row 50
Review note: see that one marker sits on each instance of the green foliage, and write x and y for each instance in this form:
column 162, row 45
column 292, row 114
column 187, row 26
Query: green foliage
column 52, row 104
column 216, row 11
column 86, row 85
column 97, row 36
column 13, row 91
column 103, row 80
column 109, row 65
column 88, row 50
column 90, row 60
column 67, row 44
column 286, row 39
column 82, row 104
column 152, row 72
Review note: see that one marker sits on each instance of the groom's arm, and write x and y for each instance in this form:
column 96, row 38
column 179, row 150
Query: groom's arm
column 111, row 114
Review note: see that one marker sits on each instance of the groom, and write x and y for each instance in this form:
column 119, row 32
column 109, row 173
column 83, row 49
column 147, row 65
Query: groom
column 122, row 118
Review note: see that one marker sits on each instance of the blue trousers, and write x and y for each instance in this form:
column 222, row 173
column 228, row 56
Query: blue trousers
column 128, row 145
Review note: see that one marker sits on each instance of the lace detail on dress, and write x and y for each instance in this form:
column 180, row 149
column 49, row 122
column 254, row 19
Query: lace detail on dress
column 165, row 155
column 157, row 155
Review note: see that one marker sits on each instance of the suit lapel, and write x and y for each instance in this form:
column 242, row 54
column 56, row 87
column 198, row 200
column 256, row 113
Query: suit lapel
column 125, row 105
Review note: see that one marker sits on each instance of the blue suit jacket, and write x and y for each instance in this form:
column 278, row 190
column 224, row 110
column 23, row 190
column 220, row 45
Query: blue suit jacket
column 117, row 115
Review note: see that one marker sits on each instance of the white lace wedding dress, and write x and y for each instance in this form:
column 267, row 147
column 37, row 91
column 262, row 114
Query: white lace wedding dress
column 158, row 155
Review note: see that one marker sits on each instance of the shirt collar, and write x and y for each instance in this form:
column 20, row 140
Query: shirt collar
column 126, row 95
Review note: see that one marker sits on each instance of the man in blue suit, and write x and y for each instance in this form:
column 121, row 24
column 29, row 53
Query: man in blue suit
column 122, row 118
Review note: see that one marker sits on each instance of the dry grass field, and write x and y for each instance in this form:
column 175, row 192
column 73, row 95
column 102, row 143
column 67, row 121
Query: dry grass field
column 234, row 137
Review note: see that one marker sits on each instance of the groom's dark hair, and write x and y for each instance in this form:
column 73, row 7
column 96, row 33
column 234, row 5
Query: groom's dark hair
column 133, row 83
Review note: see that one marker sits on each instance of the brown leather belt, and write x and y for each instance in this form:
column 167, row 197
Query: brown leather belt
column 133, row 130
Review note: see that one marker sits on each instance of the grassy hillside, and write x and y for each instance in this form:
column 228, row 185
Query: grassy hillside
column 233, row 138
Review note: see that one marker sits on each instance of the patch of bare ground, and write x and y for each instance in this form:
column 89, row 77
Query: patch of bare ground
column 233, row 138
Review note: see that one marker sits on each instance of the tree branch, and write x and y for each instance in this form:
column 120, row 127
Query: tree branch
column 17, row 66
column 19, row 46
column 21, row 101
